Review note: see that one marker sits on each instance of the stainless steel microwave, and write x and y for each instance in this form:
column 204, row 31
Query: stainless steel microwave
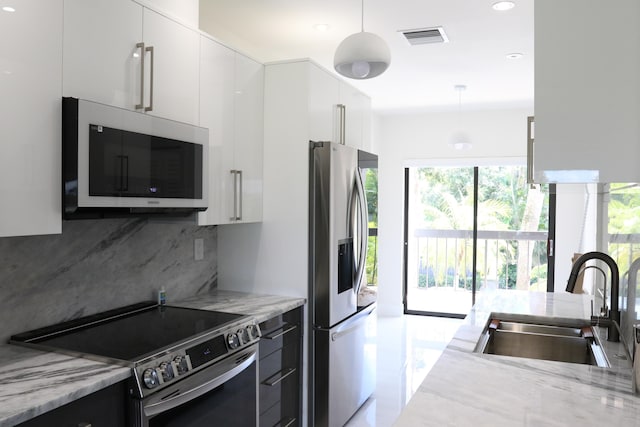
column 119, row 162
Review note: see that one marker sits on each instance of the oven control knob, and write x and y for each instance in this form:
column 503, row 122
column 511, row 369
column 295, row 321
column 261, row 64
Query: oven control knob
column 233, row 341
column 181, row 364
column 166, row 370
column 243, row 334
column 150, row 378
column 253, row 331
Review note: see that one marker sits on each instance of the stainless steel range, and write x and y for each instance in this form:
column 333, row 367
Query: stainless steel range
column 180, row 358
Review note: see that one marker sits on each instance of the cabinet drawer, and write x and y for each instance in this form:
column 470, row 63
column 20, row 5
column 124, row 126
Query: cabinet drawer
column 273, row 418
column 279, row 387
column 285, row 334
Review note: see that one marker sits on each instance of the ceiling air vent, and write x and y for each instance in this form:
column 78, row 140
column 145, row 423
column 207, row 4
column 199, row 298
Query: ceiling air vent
column 425, row 35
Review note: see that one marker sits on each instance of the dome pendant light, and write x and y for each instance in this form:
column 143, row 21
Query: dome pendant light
column 362, row 55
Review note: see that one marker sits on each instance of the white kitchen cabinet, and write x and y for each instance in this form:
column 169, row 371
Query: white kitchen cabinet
column 175, row 67
column 103, row 58
column 30, row 107
column 356, row 104
column 300, row 101
column 587, row 91
column 337, row 111
column 249, row 135
column 323, row 91
column 231, row 106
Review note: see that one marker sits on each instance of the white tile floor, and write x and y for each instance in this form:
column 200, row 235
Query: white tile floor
column 408, row 347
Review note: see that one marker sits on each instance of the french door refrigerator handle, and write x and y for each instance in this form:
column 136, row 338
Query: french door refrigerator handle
column 353, row 323
column 363, row 232
column 142, row 53
column 151, row 51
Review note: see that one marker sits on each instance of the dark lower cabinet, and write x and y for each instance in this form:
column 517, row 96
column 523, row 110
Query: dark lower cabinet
column 104, row 408
column 280, row 370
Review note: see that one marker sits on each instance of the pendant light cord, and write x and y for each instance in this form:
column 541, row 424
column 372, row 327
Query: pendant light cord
column 362, row 17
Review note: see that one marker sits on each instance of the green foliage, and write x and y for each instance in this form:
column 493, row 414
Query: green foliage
column 507, row 276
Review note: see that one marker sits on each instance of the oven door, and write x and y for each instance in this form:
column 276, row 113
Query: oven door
column 224, row 393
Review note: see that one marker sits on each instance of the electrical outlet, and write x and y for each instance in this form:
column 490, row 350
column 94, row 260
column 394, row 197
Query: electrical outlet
column 198, row 249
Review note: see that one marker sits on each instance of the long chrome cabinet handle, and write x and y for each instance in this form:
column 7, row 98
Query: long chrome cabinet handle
column 151, row 51
column 284, row 329
column 235, row 195
column 240, row 196
column 278, row 377
column 142, row 53
column 341, row 118
column 530, row 121
column 344, row 125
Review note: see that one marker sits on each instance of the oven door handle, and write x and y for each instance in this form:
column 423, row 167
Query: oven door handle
column 178, row 396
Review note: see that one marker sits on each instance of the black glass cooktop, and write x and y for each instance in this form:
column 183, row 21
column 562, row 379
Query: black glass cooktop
column 129, row 336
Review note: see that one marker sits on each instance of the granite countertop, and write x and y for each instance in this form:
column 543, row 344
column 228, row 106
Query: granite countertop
column 466, row 388
column 33, row 382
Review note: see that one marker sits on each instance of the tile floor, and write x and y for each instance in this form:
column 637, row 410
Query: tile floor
column 408, row 346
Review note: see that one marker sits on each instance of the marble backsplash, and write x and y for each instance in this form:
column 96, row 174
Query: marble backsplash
column 97, row 265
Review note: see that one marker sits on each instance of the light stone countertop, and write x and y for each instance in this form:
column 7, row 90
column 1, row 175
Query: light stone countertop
column 33, row 382
column 471, row 389
column 261, row 307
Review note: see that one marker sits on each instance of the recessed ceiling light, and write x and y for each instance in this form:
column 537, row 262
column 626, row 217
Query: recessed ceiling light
column 321, row 27
column 514, row 55
column 8, row 9
column 503, row 5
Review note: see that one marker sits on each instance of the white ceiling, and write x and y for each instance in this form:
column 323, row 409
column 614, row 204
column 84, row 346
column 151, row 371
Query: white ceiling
column 420, row 77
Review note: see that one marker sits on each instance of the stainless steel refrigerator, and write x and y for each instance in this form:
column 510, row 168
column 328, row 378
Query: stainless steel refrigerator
column 342, row 362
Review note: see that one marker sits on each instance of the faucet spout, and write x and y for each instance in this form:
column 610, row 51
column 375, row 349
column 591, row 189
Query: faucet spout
column 614, row 313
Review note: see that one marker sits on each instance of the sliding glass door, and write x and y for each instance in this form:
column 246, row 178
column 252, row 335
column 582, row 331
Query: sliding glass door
column 471, row 229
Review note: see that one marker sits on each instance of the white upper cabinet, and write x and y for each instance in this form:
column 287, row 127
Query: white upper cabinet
column 175, row 67
column 30, row 107
column 105, row 61
column 587, row 91
column 337, row 111
column 231, row 106
column 249, row 134
column 100, row 40
column 324, row 97
column 355, row 104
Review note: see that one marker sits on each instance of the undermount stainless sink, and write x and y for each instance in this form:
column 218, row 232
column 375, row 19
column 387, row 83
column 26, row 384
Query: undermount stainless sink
column 556, row 342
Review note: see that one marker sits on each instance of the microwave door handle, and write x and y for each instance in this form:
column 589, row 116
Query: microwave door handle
column 363, row 230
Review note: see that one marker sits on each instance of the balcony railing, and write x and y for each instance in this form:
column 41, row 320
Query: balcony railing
column 443, row 258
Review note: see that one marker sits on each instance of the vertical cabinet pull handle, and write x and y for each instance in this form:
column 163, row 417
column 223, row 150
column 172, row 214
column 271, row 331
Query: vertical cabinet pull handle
column 142, row 53
column 341, row 126
column 240, row 196
column 151, row 52
column 235, row 195
column 530, row 121
column 344, row 124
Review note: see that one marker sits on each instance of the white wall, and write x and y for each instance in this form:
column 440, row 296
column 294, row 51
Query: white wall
column 424, row 139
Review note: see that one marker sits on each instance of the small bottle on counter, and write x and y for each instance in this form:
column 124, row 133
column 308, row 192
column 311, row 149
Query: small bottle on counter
column 162, row 296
